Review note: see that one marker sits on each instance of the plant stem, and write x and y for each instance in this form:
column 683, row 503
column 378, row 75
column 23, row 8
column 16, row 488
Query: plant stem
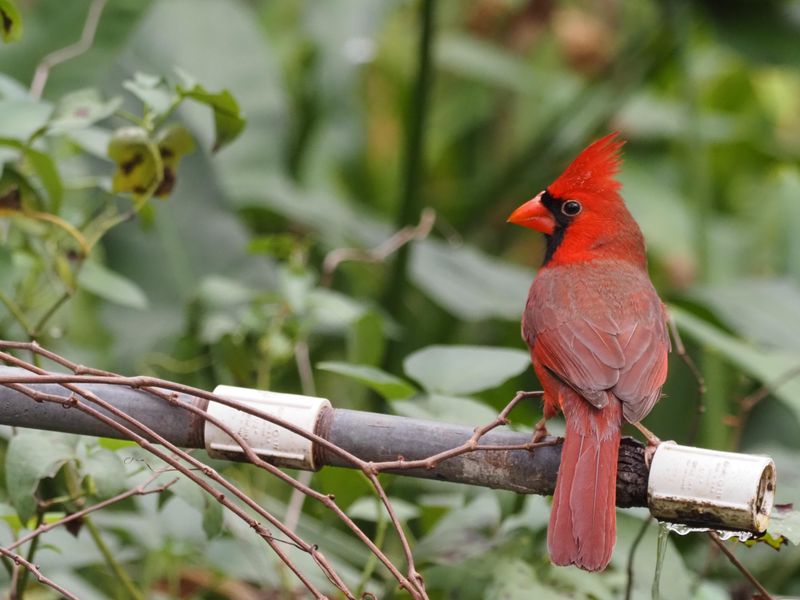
column 410, row 202
column 17, row 313
column 37, row 329
column 698, row 193
column 119, row 572
column 698, row 183
column 129, row 116
column 632, row 554
column 72, row 481
column 372, row 561
column 738, row 564
column 24, row 576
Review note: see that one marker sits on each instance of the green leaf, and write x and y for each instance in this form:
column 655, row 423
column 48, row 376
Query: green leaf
column 139, row 166
column 278, row 346
column 468, row 283
column 225, row 308
column 10, row 22
column 93, row 140
column 464, row 369
column 487, row 63
column 7, row 155
column 9, row 515
column 711, row 590
column 768, row 366
column 785, row 522
column 332, row 311
column 64, row 271
column 153, row 91
column 111, row 286
column 222, row 292
column 741, row 306
column 366, row 338
column 211, row 510
column 371, row 509
column 659, row 209
column 387, row 385
column 584, row 584
column 278, row 245
column 651, row 116
column 514, row 579
column 295, row 287
column 11, row 89
column 215, row 326
column 228, row 119
column 462, row 533
column 31, row 457
column 107, row 472
column 174, row 142
column 114, row 444
column 20, row 119
column 452, row 409
column 774, row 541
column 534, row 515
column 45, row 168
column 81, row 109
column 6, row 267
column 340, row 223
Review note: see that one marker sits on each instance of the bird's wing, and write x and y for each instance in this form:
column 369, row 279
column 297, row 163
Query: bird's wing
column 646, row 345
column 587, row 360
column 596, row 345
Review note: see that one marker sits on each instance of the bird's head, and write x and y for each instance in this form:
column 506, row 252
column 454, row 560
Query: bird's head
column 582, row 213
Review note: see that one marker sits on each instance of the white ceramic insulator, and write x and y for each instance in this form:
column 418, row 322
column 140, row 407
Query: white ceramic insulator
column 271, row 442
column 709, row 488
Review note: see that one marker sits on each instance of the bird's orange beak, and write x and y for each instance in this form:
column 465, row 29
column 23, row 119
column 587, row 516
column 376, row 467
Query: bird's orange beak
column 534, row 215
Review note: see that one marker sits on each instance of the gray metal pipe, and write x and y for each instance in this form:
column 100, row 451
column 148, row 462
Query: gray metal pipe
column 378, row 438
column 181, row 427
column 369, row 436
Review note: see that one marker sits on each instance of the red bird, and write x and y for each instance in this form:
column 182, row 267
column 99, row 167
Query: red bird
column 598, row 337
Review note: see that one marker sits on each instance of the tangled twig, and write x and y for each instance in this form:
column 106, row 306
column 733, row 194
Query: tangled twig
column 336, row 257
column 21, row 561
column 209, row 480
column 738, row 564
column 68, row 52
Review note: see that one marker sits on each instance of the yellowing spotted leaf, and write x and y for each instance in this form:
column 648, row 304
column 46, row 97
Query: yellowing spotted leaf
column 139, row 167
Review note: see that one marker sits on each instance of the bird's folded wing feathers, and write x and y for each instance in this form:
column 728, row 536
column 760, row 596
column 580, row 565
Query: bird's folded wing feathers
column 622, row 354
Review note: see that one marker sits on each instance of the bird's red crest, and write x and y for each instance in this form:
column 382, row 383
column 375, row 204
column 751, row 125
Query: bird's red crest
column 593, row 170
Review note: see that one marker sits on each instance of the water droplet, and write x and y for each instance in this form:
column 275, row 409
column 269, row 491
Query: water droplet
column 661, row 552
column 682, row 529
column 742, row 536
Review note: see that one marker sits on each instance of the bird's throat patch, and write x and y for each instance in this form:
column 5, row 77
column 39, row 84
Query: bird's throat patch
column 553, row 241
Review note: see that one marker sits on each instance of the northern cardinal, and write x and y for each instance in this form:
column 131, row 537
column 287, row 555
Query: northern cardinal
column 598, row 338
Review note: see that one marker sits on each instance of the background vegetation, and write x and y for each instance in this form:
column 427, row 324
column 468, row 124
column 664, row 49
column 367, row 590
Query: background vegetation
column 352, row 129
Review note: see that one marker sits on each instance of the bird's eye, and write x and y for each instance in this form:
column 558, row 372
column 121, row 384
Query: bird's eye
column 571, row 208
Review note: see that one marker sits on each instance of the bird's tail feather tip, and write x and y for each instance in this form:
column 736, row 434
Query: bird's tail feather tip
column 582, row 530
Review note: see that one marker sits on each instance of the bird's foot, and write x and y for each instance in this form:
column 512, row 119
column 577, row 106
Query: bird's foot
column 539, row 431
column 653, row 441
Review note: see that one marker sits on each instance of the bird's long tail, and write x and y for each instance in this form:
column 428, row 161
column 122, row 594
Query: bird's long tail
column 583, row 520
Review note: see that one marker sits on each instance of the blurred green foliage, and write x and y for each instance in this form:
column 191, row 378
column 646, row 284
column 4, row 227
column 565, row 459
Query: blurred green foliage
column 224, row 281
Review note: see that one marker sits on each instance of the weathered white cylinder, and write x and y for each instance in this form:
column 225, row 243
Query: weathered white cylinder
column 271, row 442
column 711, row 489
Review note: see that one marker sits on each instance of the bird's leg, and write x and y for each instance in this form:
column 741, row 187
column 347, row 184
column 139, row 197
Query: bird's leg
column 652, row 442
column 540, row 431
column 652, row 438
